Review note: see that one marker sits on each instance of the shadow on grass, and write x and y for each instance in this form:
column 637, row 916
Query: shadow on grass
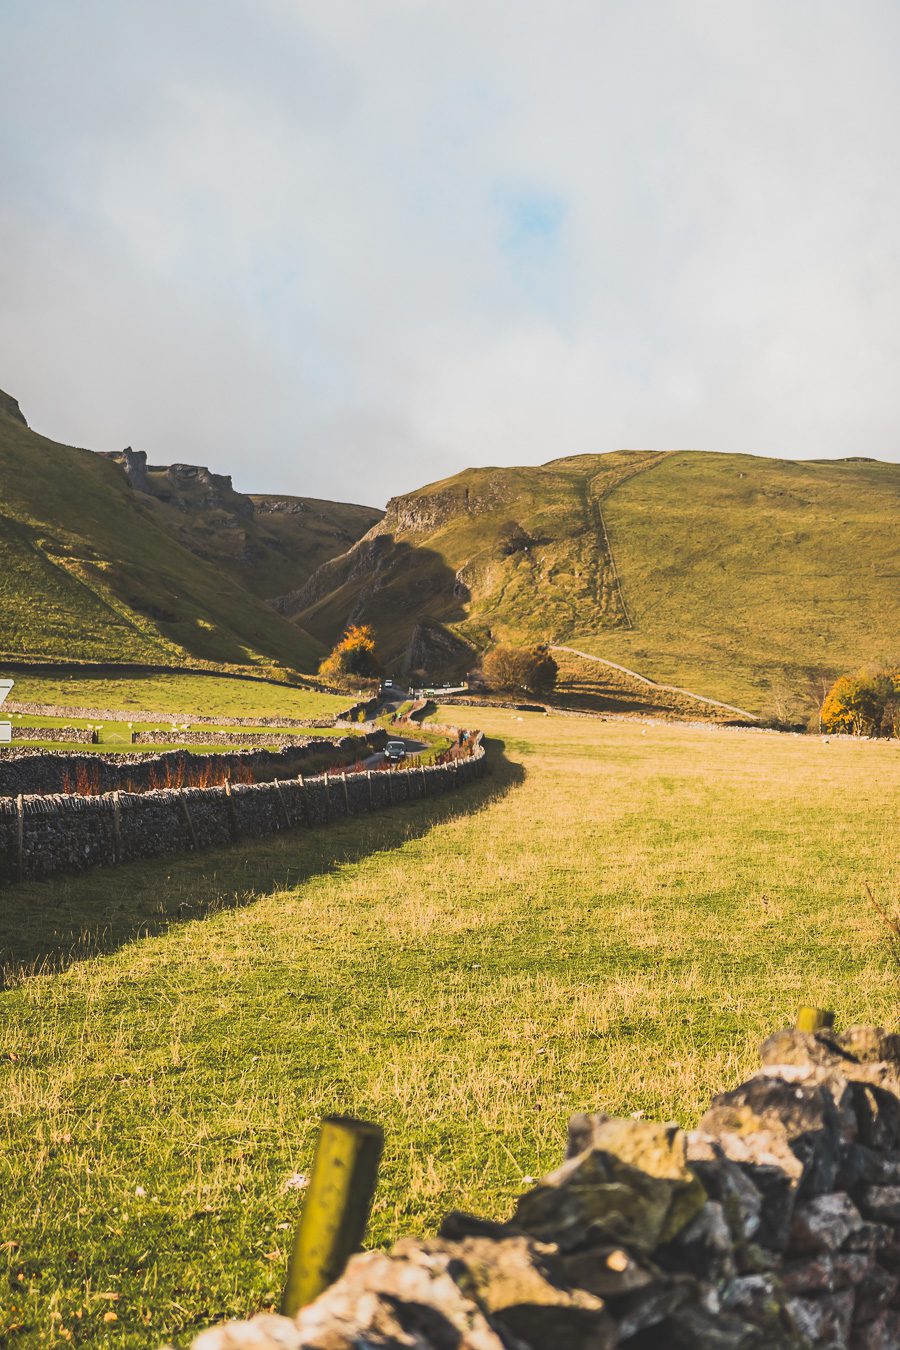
column 48, row 925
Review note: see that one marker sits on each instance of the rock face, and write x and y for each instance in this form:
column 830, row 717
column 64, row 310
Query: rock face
column 773, row 1226
column 433, row 652
column 134, row 462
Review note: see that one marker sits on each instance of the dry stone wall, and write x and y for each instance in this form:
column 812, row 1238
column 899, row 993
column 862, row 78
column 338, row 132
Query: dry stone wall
column 360, row 712
column 246, row 738
column 31, row 709
column 60, row 735
column 47, row 833
column 775, row 1225
column 53, row 771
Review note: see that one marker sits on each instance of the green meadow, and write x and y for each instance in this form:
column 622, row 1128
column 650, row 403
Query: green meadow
column 612, row 919
column 180, row 696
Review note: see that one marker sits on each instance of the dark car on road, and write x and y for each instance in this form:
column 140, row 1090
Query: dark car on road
column 394, row 751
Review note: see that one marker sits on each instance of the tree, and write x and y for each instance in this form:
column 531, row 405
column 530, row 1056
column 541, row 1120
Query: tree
column 864, row 704
column 353, row 656
column 542, row 671
column 531, row 669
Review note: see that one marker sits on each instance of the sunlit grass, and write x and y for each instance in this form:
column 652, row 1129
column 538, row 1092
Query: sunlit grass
column 183, row 696
column 616, row 929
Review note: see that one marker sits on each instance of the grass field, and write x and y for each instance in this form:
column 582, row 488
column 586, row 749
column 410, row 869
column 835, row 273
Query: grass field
column 613, row 919
column 183, row 696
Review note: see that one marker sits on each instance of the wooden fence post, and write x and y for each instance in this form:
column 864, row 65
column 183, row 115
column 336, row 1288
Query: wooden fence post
column 117, row 826
column 304, row 801
column 814, row 1019
column 336, row 1210
column 187, row 816
column 20, row 836
column 232, row 815
column 284, row 810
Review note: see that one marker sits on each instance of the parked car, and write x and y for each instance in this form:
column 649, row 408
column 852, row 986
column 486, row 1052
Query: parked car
column 394, row 752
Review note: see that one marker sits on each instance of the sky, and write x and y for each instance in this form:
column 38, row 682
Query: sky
column 346, row 248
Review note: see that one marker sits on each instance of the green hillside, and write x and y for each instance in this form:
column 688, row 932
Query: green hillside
column 270, row 544
column 736, row 576
column 88, row 571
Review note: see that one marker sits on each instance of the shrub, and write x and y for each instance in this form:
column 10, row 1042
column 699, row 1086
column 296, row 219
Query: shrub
column 531, row 669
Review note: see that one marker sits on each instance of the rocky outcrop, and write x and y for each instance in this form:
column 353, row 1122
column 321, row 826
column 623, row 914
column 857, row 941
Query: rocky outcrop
column 774, row 1225
column 366, row 561
column 425, row 511
column 181, row 484
column 279, row 506
column 134, row 464
column 433, row 652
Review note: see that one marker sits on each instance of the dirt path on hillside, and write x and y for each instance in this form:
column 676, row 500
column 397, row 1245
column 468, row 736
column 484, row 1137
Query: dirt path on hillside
column 669, row 688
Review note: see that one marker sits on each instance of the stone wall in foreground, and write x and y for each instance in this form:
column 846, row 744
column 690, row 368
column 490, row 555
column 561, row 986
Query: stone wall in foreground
column 775, row 1225
column 43, row 834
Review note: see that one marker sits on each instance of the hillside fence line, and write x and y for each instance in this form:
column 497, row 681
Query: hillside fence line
column 44, row 833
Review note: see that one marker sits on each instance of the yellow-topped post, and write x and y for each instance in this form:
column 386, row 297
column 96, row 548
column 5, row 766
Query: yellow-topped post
column 333, row 1223
column 814, row 1019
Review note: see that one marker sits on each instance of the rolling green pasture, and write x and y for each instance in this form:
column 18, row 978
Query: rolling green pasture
column 748, row 577
column 612, row 919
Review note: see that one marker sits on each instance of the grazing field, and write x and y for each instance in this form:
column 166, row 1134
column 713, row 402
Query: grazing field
column 183, row 696
column 613, row 919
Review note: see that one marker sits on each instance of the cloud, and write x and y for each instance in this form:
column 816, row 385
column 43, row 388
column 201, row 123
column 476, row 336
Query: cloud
column 346, row 249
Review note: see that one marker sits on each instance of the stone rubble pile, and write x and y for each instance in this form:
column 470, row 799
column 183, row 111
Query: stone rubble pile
column 774, row 1225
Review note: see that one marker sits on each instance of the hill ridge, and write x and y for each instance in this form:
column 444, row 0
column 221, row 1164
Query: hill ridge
column 91, row 569
column 738, row 575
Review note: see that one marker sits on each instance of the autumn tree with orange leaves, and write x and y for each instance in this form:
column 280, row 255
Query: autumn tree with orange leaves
column 864, row 704
column 354, row 657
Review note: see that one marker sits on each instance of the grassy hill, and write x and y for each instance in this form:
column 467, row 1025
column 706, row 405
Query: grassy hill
column 270, row 544
column 89, row 571
column 742, row 578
